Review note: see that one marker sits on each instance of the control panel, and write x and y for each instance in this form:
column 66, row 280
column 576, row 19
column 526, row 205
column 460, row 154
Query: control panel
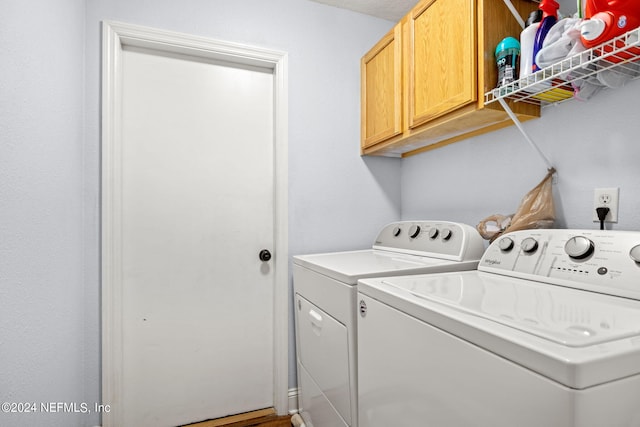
column 596, row 260
column 439, row 239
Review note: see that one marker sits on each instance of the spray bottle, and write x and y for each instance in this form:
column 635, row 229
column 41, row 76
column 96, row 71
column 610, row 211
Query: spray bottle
column 549, row 18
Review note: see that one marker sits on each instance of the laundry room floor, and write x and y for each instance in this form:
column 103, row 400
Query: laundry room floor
column 262, row 418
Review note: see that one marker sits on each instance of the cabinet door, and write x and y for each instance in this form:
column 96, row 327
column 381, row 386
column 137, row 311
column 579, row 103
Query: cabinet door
column 442, row 58
column 381, row 89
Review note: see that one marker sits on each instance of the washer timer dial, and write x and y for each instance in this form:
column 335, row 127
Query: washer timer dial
column 578, row 247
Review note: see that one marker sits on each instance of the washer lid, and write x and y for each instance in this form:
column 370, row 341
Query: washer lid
column 349, row 267
column 564, row 316
column 576, row 337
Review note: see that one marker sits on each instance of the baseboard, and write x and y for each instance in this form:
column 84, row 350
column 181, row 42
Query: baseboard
column 293, row 401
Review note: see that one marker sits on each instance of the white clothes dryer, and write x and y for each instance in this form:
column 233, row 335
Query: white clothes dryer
column 545, row 333
column 325, row 306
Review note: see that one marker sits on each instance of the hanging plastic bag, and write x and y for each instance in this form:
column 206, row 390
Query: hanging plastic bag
column 493, row 226
column 536, row 210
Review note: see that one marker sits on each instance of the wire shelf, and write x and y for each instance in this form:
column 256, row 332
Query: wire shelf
column 619, row 56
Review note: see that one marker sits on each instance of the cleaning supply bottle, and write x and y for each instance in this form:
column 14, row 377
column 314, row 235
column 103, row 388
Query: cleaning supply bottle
column 549, row 10
column 507, row 52
column 527, row 37
column 606, row 19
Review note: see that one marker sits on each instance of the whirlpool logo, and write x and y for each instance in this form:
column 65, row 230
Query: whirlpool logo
column 492, row 261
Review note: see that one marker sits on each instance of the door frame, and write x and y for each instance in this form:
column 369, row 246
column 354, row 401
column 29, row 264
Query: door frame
column 115, row 36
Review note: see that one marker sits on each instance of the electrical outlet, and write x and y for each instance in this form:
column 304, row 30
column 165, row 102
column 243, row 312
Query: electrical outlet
column 606, row 198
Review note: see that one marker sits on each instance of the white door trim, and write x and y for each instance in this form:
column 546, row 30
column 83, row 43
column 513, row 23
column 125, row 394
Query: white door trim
column 115, row 36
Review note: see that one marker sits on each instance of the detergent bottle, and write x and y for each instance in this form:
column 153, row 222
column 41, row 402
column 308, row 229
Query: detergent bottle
column 527, row 38
column 507, row 53
column 549, row 10
column 606, row 19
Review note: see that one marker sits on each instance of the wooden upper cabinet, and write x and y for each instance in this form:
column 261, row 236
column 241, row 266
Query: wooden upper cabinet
column 381, row 90
column 423, row 84
column 441, row 58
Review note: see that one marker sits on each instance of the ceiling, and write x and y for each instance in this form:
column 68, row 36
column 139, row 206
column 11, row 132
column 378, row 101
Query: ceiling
column 391, row 10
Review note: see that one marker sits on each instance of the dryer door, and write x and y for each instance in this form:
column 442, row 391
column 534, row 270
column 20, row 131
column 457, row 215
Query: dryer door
column 323, row 351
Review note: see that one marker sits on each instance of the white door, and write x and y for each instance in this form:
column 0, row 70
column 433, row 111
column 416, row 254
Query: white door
column 195, row 172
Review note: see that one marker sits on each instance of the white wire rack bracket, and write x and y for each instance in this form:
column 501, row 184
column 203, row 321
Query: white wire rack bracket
column 515, row 13
column 518, row 124
column 555, row 83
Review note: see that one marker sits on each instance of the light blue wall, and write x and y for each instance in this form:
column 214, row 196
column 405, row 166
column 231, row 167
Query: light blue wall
column 592, row 144
column 43, row 340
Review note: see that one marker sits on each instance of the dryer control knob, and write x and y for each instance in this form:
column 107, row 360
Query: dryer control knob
column 414, row 230
column 634, row 253
column 446, row 233
column 433, row 232
column 578, row 247
column 529, row 245
column 505, row 244
column 396, row 231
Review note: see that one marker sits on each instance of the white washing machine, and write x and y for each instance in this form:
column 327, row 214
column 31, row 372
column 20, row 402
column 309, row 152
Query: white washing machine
column 325, row 306
column 546, row 333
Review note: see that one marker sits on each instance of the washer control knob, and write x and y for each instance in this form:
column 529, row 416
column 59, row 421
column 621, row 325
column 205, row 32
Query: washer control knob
column 414, row 231
column 505, row 244
column 578, row 247
column 446, row 233
column 433, row 232
column 634, row 253
column 529, row 245
column 396, row 231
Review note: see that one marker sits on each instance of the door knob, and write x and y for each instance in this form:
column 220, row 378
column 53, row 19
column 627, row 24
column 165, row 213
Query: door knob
column 264, row 255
